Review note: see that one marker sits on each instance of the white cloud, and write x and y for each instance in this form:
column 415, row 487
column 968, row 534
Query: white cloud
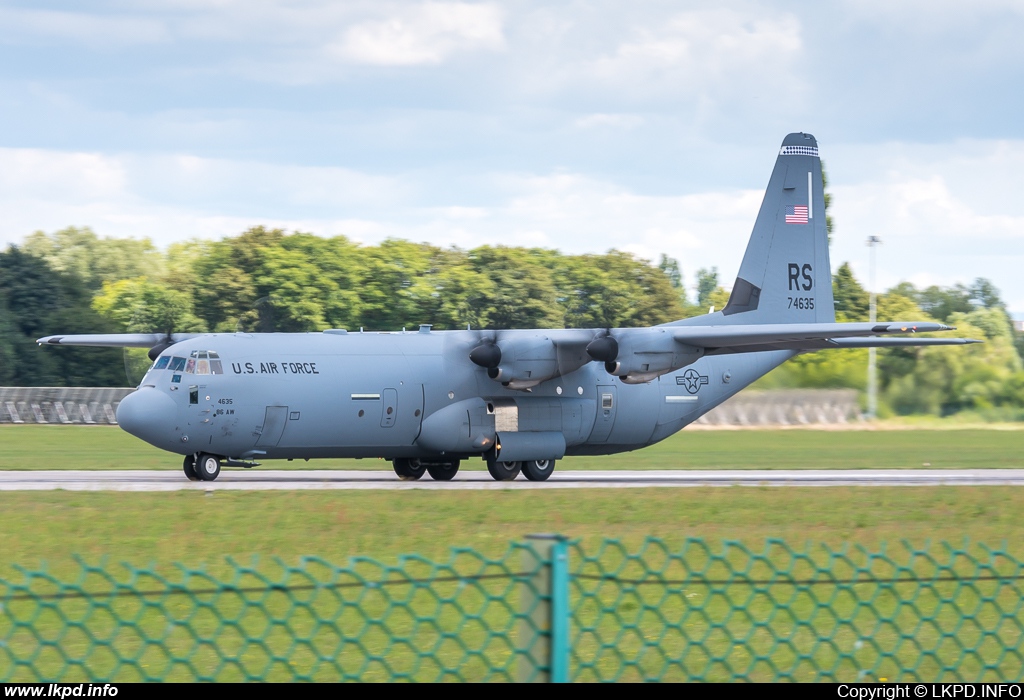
column 946, row 213
column 720, row 50
column 424, row 34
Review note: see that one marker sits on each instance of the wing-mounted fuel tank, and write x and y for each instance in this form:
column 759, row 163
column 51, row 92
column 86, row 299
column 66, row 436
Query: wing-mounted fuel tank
column 642, row 355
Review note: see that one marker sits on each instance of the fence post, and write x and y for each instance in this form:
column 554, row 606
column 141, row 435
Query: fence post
column 544, row 605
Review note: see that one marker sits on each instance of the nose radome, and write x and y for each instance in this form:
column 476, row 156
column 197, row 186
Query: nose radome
column 148, row 414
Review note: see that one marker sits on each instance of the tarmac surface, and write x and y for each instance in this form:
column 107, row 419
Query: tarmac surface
column 277, row 479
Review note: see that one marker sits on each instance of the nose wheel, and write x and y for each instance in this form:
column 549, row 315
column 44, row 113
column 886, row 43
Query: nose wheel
column 189, row 466
column 207, row 466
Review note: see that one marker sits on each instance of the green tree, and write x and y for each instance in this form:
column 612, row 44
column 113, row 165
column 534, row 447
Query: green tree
column 670, row 266
column 141, row 306
column 35, row 301
column 829, row 223
column 94, row 260
column 523, row 294
column 461, row 294
column 707, row 283
column 614, row 290
column 851, row 299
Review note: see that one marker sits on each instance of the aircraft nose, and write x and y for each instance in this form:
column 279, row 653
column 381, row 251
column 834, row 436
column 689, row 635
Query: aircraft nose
column 148, row 414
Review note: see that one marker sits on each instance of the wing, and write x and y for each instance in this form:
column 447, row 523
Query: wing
column 115, row 340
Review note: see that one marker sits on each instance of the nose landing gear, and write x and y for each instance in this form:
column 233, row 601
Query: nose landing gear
column 189, row 466
column 207, row 466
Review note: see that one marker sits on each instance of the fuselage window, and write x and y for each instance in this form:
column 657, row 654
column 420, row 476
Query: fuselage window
column 216, row 367
column 202, row 366
column 177, row 364
column 606, row 401
column 161, row 362
column 190, row 366
column 193, row 395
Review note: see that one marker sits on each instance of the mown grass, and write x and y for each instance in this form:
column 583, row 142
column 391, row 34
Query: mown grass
column 106, row 447
column 669, row 632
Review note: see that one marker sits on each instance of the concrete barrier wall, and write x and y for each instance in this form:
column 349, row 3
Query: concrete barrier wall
column 97, row 406
column 787, row 407
column 60, row 405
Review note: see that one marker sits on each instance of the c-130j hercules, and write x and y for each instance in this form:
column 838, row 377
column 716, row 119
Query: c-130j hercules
column 520, row 399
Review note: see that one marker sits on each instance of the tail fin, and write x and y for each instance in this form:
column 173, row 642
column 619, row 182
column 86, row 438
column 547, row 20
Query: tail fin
column 785, row 276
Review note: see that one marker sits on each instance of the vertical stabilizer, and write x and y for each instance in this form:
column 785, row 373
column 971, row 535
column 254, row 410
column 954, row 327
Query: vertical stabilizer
column 785, row 275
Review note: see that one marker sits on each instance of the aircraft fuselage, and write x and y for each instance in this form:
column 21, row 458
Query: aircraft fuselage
column 402, row 395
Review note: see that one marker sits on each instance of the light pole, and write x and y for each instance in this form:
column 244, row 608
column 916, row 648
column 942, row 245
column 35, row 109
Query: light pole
column 872, row 374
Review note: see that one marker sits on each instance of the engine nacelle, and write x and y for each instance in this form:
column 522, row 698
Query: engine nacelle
column 644, row 356
column 525, row 361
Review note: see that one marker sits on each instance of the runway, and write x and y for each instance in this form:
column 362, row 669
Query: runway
column 278, row 479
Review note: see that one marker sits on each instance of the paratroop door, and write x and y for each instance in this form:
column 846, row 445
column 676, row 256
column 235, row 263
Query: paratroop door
column 273, row 426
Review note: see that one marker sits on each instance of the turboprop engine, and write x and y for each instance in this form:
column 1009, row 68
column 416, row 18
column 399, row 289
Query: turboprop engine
column 519, row 361
column 642, row 355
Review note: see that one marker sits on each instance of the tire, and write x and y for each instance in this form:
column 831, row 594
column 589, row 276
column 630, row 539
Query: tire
column 504, row 471
column 207, row 467
column 189, row 467
column 443, row 471
column 538, row 469
column 408, row 469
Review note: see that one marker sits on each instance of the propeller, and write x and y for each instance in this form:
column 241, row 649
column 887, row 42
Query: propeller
column 604, row 348
column 487, row 354
column 165, row 342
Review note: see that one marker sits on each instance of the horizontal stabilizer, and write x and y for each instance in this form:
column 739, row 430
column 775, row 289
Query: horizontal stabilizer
column 115, row 340
column 788, row 333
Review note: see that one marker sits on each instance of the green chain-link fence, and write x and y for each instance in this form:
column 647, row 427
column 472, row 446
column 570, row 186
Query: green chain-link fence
column 546, row 609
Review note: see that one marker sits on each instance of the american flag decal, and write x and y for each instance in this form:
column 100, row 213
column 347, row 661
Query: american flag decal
column 797, row 214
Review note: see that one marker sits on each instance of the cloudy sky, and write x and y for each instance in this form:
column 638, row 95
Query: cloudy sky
column 646, row 126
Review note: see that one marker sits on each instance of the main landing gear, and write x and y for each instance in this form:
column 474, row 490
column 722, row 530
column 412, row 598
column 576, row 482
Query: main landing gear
column 412, row 469
column 201, row 467
column 534, row 469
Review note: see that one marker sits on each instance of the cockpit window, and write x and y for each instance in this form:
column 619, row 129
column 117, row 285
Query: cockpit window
column 177, row 364
column 161, row 362
column 204, row 362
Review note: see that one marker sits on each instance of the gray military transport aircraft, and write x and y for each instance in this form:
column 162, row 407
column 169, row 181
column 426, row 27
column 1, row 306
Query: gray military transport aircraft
column 520, row 399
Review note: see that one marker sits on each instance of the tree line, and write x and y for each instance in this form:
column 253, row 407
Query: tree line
column 73, row 281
